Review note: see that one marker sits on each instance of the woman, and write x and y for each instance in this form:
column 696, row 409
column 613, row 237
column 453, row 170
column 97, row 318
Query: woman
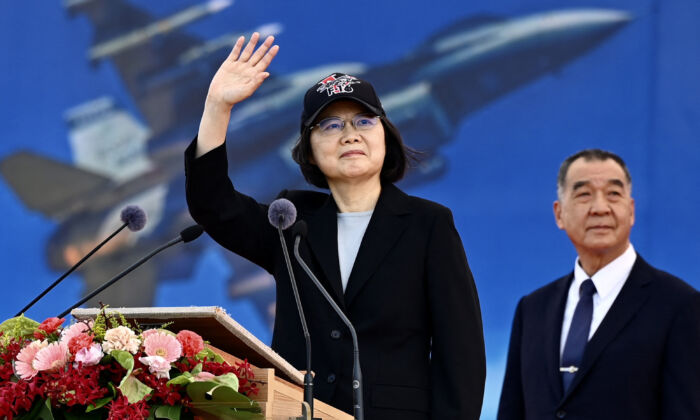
column 394, row 263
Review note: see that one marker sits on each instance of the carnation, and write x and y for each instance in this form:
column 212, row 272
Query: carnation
column 157, row 366
column 47, row 327
column 120, row 338
column 79, row 342
column 89, row 356
column 192, row 343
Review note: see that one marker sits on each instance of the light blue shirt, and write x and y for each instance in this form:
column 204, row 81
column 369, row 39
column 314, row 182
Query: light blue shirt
column 351, row 230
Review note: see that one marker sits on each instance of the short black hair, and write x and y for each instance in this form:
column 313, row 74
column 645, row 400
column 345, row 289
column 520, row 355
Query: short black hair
column 589, row 155
column 395, row 160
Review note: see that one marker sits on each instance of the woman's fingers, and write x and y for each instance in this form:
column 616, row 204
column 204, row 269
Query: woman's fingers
column 233, row 55
column 260, row 53
column 248, row 50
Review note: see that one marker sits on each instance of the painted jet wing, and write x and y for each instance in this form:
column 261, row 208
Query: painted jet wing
column 48, row 186
column 144, row 66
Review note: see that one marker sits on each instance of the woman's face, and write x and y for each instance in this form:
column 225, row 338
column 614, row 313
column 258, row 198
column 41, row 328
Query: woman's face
column 352, row 154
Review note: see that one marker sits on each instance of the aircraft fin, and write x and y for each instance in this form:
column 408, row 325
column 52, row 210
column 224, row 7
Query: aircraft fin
column 48, row 186
column 144, row 66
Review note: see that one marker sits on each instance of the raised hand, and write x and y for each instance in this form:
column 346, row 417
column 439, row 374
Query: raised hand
column 243, row 71
column 238, row 77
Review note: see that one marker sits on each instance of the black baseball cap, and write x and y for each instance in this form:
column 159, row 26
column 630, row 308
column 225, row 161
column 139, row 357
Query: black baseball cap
column 335, row 87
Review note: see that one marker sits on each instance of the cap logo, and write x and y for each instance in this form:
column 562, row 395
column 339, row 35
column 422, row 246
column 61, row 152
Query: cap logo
column 339, row 84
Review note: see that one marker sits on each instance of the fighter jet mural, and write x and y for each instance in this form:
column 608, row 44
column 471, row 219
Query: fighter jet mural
column 137, row 159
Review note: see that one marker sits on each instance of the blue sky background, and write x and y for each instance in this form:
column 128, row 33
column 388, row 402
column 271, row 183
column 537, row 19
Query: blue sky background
column 638, row 94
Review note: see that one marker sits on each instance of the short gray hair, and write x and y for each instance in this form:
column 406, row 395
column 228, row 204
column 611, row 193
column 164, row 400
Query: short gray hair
column 589, row 155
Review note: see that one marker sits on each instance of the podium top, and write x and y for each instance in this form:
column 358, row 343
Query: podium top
column 214, row 325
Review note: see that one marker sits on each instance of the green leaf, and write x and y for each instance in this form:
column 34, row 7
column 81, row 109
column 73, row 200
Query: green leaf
column 216, row 400
column 44, row 411
column 133, row 389
column 126, row 360
column 37, row 407
column 168, row 412
column 183, row 379
column 99, row 403
column 18, row 327
column 208, row 354
column 197, row 370
column 228, row 379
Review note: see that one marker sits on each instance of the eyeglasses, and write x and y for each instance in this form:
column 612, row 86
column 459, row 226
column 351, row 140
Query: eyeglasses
column 335, row 125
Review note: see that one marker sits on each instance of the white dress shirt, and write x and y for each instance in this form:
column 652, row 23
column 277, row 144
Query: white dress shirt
column 608, row 282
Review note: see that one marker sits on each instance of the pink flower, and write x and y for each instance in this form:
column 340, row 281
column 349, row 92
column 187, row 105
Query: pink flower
column 145, row 334
column 157, row 366
column 51, row 358
column 192, row 342
column 121, row 338
column 163, row 345
column 90, row 356
column 204, row 376
column 23, row 366
column 75, row 329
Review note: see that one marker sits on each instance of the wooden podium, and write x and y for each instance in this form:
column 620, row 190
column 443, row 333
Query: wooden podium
column 280, row 383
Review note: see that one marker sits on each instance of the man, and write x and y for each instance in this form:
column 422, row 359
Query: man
column 615, row 339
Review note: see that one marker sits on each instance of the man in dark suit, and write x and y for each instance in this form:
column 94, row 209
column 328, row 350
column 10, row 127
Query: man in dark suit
column 614, row 339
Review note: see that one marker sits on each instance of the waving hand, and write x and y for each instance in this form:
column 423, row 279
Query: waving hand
column 239, row 76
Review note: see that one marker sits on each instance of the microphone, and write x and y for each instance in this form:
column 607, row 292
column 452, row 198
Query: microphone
column 282, row 214
column 132, row 217
column 299, row 231
column 187, row 235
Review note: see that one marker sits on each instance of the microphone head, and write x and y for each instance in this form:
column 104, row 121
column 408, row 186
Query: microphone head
column 282, row 213
column 191, row 233
column 300, row 229
column 134, row 217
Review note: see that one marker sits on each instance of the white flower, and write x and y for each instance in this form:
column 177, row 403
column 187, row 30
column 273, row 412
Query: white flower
column 120, row 338
column 157, row 366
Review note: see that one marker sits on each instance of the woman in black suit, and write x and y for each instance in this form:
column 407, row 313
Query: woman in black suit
column 393, row 263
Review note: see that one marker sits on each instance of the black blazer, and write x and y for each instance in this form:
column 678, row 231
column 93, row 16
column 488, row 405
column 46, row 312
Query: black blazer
column 410, row 296
column 643, row 362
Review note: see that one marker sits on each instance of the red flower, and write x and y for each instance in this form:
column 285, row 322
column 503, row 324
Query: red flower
column 79, row 342
column 47, row 327
column 17, row 397
column 120, row 409
column 192, row 342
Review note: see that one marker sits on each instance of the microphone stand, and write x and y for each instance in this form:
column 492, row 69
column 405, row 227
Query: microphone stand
column 67, row 273
column 122, row 274
column 356, row 371
column 308, row 407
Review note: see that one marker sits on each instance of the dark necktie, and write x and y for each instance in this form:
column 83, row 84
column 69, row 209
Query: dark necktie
column 578, row 334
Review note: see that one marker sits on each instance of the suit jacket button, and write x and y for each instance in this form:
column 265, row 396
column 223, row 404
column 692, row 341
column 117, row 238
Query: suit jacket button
column 331, row 378
column 561, row 414
column 335, row 334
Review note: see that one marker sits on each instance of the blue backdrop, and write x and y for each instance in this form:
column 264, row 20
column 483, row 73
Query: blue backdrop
column 634, row 91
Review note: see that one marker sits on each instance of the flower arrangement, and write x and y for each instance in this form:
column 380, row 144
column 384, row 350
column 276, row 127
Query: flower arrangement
column 108, row 369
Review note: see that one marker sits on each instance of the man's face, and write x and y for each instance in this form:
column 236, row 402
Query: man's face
column 596, row 208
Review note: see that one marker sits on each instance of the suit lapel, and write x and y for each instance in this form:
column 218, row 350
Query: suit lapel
column 555, row 318
column 323, row 240
column 632, row 296
column 384, row 229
